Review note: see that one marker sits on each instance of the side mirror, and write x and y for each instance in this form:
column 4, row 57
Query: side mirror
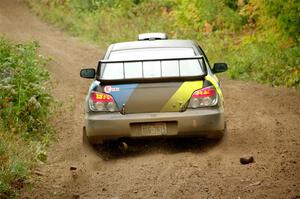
column 89, row 73
column 219, row 67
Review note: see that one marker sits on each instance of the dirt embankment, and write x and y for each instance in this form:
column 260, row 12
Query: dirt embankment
column 262, row 121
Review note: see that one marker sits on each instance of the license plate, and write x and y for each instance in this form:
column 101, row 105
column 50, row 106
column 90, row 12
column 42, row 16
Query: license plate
column 154, row 129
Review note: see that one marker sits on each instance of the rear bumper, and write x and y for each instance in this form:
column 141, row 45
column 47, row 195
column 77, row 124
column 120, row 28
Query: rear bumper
column 201, row 122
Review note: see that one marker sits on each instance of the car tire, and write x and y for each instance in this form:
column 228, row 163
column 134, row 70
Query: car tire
column 217, row 135
column 86, row 139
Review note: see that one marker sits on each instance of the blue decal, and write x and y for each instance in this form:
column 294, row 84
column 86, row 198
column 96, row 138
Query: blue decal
column 124, row 91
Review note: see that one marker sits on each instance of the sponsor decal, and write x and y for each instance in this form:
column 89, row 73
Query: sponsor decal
column 115, row 89
column 109, row 89
column 101, row 97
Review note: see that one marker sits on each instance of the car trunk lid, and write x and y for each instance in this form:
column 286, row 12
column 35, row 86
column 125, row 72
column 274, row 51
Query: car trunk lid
column 152, row 97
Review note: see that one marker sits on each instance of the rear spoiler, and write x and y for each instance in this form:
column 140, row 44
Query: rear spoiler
column 147, row 79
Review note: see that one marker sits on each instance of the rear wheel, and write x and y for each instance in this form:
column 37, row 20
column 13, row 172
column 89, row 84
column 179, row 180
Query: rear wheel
column 217, row 135
column 84, row 137
column 87, row 140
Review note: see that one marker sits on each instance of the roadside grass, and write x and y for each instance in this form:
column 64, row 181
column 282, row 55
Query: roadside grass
column 245, row 34
column 25, row 103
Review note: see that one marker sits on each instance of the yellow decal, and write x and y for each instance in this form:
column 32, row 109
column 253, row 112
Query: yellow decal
column 100, row 96
column 214, row 80
column 182, row 95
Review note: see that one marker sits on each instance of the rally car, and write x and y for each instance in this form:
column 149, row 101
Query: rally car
column 154, row 87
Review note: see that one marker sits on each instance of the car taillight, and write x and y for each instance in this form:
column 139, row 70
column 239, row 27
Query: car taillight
column 102, row 102
column 204, row 97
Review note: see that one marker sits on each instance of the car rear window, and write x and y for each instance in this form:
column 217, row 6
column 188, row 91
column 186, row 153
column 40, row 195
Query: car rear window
column 152, row 69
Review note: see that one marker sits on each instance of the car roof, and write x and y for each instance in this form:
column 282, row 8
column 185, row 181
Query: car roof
column 152, row 44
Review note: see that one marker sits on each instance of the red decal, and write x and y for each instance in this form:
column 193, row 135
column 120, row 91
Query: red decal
column 107, row 89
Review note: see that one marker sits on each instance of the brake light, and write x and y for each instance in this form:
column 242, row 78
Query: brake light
column 102, row 102
column 204, row 92
column 204, row 97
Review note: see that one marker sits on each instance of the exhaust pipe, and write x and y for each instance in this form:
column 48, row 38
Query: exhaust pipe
column 123, row 146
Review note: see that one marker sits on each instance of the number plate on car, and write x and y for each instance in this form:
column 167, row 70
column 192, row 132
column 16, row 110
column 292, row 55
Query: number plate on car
column 154, row 129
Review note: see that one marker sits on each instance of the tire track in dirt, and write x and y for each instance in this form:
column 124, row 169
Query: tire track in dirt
column 262, row 121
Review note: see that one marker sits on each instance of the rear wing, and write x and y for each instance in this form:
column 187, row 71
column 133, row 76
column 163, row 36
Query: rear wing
column 142, row 78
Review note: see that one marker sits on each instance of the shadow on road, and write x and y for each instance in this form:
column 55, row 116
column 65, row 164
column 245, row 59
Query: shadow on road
column 138, row 147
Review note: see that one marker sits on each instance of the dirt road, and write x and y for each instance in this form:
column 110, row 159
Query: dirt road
column 262, row 121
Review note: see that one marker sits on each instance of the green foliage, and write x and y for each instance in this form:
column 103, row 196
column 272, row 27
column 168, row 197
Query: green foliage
column 287, row 14
column 15, row 161
column 24, row 95
column 259, row 39
column 231, row 4
column 24, row 112
column 192, row 16
column 105, row 21
column 265, row 63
